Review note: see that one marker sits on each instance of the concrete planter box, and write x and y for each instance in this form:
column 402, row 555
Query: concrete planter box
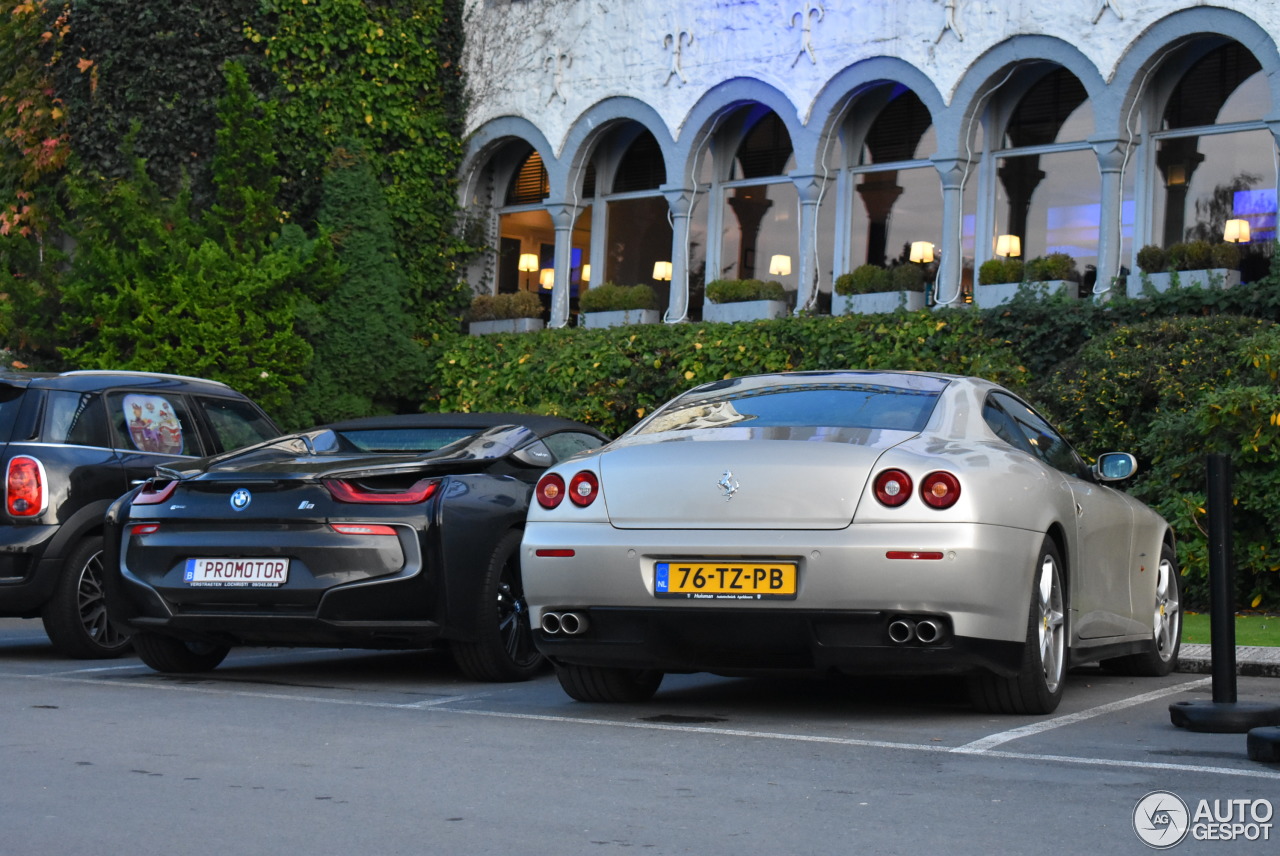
column 999, row 293
column 506, row 325
column 745, row 310
column 1212, row 278
column 618, row 318
column 876, row 303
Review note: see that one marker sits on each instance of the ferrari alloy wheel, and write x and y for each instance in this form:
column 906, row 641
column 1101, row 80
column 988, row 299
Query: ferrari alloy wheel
column 76, row 616
column 604, row 684
column 503, row 649
column 1161, row 657
column 170, row 655
column 1037, row 687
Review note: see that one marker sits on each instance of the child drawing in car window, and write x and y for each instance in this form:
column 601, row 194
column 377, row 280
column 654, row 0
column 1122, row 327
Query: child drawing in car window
column 153, row 426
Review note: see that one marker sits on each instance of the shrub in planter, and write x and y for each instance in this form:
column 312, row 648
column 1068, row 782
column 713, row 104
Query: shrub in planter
column 996, row 271
column 1226, row 256
column 908, row 277
column 1055, row 266
column 1152, row 259
column 743, row 290
column 609, row 297
column 501, row 307
column 865, row 279
column 1192, row 255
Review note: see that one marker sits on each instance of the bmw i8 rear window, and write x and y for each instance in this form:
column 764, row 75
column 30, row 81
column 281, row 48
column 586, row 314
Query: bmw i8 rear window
column 837, row 406
column 404, row 439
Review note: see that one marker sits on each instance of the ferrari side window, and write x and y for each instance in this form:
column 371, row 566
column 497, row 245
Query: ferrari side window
column 1046, row 443
column 566, row 444
column 1004, row 426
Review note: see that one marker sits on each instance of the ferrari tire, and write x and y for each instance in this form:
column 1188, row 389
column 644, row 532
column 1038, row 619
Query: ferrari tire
column 75, row 617
column 178, row 656
column 503, row 650
column 1161, row 656
column 608, row 685
column 1037, row 686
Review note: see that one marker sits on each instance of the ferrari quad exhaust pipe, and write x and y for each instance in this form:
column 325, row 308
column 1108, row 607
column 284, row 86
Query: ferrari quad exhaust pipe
column 926, row 631
column 568, row 623
column 902, row 631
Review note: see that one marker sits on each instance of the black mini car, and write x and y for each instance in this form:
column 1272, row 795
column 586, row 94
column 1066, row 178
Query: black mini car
column 72, row 443
column 387, row 532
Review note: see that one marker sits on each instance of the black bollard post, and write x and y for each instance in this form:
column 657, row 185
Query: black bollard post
column 1222, row 578
column 1223, row 715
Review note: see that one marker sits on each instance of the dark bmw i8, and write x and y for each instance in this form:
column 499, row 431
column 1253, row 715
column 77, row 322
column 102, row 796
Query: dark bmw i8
column 388, row 533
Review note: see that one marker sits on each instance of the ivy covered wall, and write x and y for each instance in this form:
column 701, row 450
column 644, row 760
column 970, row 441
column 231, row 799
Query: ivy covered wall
column 114, row 119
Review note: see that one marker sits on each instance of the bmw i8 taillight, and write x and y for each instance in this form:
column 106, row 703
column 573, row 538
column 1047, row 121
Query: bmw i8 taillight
column 350, row 491
column 583, row 488
column 892, row 487
column 150, row 495
column 24, row 487
column 940, row 489
column 550, row 491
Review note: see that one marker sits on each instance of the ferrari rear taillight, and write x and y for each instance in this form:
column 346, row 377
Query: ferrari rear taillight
column 352, row 491
column 550, row 491
column 940, row 489
column 24, row 487
column 893, row 487
column 583, row 488
column 151, row 495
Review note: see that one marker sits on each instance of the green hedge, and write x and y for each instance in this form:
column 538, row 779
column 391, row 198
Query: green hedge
column 610, row 378
column 1171, row 378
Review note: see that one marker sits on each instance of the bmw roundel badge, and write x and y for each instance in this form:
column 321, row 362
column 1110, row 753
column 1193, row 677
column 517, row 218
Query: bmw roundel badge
column 240, row 499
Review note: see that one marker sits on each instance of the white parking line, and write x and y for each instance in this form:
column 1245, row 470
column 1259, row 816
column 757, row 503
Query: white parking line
column 989, row 742
column 437, row 706
column 241, row 658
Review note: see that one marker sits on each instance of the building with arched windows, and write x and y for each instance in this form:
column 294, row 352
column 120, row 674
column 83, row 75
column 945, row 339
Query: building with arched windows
column 797, row 140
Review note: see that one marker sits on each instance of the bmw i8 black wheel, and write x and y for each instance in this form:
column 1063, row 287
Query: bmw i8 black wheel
column 504, row 649
column 166, row 654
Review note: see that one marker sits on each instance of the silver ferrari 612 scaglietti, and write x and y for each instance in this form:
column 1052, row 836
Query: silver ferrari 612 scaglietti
column 847, row 522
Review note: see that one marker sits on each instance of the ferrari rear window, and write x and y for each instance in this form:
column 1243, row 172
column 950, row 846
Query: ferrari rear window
column 816, row 406
column 404, row 439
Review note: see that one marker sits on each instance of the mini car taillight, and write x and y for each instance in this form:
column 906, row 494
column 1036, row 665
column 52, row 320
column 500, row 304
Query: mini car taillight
column 550, row 491
column 583, row 488
column 24, row 487
column 350, row 491
column 893, row 487
column 940, row 489
column 150, row 495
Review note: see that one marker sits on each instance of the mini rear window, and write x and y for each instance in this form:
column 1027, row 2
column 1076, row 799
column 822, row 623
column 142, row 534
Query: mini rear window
column 10, row 401
column 405, row 439
column 817, row 406
column 76, row 418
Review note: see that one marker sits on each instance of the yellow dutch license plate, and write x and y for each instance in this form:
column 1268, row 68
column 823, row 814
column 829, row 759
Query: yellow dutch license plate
column 725, row 580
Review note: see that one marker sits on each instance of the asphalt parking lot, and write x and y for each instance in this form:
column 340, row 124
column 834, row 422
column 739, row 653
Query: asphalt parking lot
column 321, row 751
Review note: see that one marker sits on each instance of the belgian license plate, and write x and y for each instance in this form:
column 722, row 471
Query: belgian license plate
column 256, row 573
column 725, row 580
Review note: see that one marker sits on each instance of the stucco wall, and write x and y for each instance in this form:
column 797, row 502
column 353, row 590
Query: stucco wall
column 550, row 61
